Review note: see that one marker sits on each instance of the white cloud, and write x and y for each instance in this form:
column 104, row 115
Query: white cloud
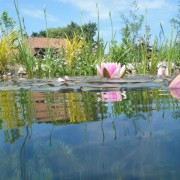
column 38, row 14
column 115, row 6
column 104, row 7
column 153, row 4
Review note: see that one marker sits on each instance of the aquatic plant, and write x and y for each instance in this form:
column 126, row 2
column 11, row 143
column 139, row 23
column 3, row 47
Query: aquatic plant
column 111, row 70
column 175, row 83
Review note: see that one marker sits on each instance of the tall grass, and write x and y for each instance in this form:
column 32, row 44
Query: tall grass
column 24, row 56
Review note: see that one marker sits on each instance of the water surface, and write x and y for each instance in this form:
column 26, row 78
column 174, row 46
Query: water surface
column 131, row 133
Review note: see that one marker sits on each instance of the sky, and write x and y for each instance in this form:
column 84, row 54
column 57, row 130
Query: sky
column 60, row 13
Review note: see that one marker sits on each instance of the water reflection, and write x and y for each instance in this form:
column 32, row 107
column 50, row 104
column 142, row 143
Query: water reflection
column 21, row 108
column 111, row 96
column 84, row 136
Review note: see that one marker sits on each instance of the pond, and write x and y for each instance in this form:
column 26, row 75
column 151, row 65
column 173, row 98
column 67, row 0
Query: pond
column 89, row 129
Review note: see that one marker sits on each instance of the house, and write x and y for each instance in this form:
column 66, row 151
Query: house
column 40, row 44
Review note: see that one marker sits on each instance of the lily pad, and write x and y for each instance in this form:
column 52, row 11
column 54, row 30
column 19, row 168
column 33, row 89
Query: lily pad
column 88, row 83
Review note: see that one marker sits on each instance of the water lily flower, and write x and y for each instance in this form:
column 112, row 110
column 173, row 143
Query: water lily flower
column 162, row 71
column 175, row 83
column 175, row 93
column 60, row 80
column 111, row 70
column 66, row 78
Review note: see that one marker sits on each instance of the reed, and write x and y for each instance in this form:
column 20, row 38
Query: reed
column 24, row 56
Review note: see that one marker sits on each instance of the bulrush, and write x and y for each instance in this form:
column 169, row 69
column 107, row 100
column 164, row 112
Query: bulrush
column 111, row 70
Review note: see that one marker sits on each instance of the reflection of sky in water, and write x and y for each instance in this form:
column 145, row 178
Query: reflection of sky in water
column 144, row 143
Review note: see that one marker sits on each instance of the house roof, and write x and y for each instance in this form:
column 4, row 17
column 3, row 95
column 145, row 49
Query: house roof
column 39, row 42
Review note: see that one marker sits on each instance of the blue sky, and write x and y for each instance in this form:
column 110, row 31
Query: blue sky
column 62, row 12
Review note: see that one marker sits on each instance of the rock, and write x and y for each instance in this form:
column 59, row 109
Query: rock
column 9, row 74
column 21, row 71
column 4, row 76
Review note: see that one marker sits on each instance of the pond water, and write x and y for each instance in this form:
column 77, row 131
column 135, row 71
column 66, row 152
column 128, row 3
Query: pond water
column 130, row 133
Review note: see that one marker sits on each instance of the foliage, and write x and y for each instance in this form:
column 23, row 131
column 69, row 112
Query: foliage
column 41, row 33
column 134, row 22
column 88, row 30
column 6, row 23
column 122, row 53
column 7, row 41
column 24, row 57
column 176, row 21
column 73, row 49
column 7, row 50
column 126, row 52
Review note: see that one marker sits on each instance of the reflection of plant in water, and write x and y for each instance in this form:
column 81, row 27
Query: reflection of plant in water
column 65, row 107
column 9, row 109
column 24, row 99
column 14, row 113
column 15, row 108
column 23, row 107
column 140, row 105
column 81, row 107
column 143, row 101
column 11, row 135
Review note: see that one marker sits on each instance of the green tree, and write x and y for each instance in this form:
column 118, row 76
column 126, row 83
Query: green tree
column 88, row 31
column 125, row 52
column 134, row 22
column 176, row 21
column 6, row 23
column 41, row 33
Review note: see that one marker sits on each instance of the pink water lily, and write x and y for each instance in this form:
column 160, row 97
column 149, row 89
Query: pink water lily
column 111, row 70
column 162, row 71
column 175, row 83
column 175, row 93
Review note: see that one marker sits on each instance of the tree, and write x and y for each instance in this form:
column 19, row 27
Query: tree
column 134, row 22
column 40, row 34
column 176, row 21
column 87, row 30
column 6, row 23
